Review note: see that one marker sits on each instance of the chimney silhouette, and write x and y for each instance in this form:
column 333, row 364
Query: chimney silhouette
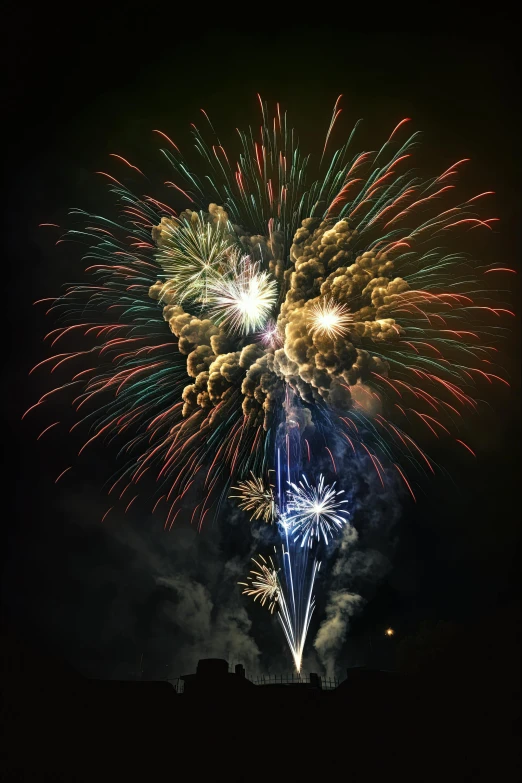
column 315, row 681
column 240, row 670
column 212, row 667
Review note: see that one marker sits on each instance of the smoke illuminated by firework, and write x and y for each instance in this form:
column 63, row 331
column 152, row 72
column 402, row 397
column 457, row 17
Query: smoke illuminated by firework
column 337, row 303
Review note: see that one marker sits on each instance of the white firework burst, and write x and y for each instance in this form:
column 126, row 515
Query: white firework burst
column 241, row 300
column 329, row 318
column 315, row 510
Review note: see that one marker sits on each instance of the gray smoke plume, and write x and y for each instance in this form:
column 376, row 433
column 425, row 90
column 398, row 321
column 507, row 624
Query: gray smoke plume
column 358, row 567
column 341, row 606
column 316, row 366
column 207, row 629
column 141, row 601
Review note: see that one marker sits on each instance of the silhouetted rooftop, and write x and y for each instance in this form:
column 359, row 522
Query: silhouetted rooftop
column 61, row 726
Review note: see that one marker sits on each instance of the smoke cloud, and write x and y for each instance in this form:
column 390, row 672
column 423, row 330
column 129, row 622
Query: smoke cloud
column 341, row 606
column 325, row 266
column 361, row 557
column 207, row 628
column 354, row 571
column 317, row 366
column 137, row 599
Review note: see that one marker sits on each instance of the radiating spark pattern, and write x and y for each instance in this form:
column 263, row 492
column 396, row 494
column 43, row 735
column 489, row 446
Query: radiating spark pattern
column 315, row 510
column 191, row 252
column 340, row 295
column 329, row 318
column 241, row 302
column 257, row 498
column 270, row 336
column 263, row 583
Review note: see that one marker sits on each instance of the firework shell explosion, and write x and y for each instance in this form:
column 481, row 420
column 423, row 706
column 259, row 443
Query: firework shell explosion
column 257, row 498
column 278, row 299
column 315, row 511
column 263, row 583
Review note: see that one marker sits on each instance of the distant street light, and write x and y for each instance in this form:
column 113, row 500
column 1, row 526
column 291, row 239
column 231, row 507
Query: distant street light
column 389, row 632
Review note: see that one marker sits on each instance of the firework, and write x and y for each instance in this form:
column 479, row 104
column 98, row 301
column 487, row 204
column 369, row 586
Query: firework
column 271, row 336
column 348, row 288
column 263, row 583
column 191, row 252
column 296, row 613
column 242, row 301
column 315, row 510
column 329, row 318
column 256, row 498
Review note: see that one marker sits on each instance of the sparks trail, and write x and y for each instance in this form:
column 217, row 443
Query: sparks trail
column 338, row 294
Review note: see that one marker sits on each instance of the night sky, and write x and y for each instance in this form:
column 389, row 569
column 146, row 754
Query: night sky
column 102, row 596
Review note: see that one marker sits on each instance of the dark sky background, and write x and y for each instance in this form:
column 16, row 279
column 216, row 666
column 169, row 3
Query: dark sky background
column 100, row 596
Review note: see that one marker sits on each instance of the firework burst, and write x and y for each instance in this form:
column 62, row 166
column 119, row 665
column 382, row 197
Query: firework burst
column 192, row 250
column 196, row 326
column 329, row 318
column 270, row 336
column 257, row 498
column 263, row 584
column 242, row 301
column 315, row 510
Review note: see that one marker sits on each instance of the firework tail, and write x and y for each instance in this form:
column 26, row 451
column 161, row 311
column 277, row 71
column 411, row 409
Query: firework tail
column 299, row 564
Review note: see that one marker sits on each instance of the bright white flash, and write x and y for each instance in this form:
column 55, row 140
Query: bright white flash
column 315, row 510
column 242, row 300
column 329, row 318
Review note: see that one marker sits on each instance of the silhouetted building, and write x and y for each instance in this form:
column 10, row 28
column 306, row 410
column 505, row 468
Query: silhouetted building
column 121, row 728
column 212, row 675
